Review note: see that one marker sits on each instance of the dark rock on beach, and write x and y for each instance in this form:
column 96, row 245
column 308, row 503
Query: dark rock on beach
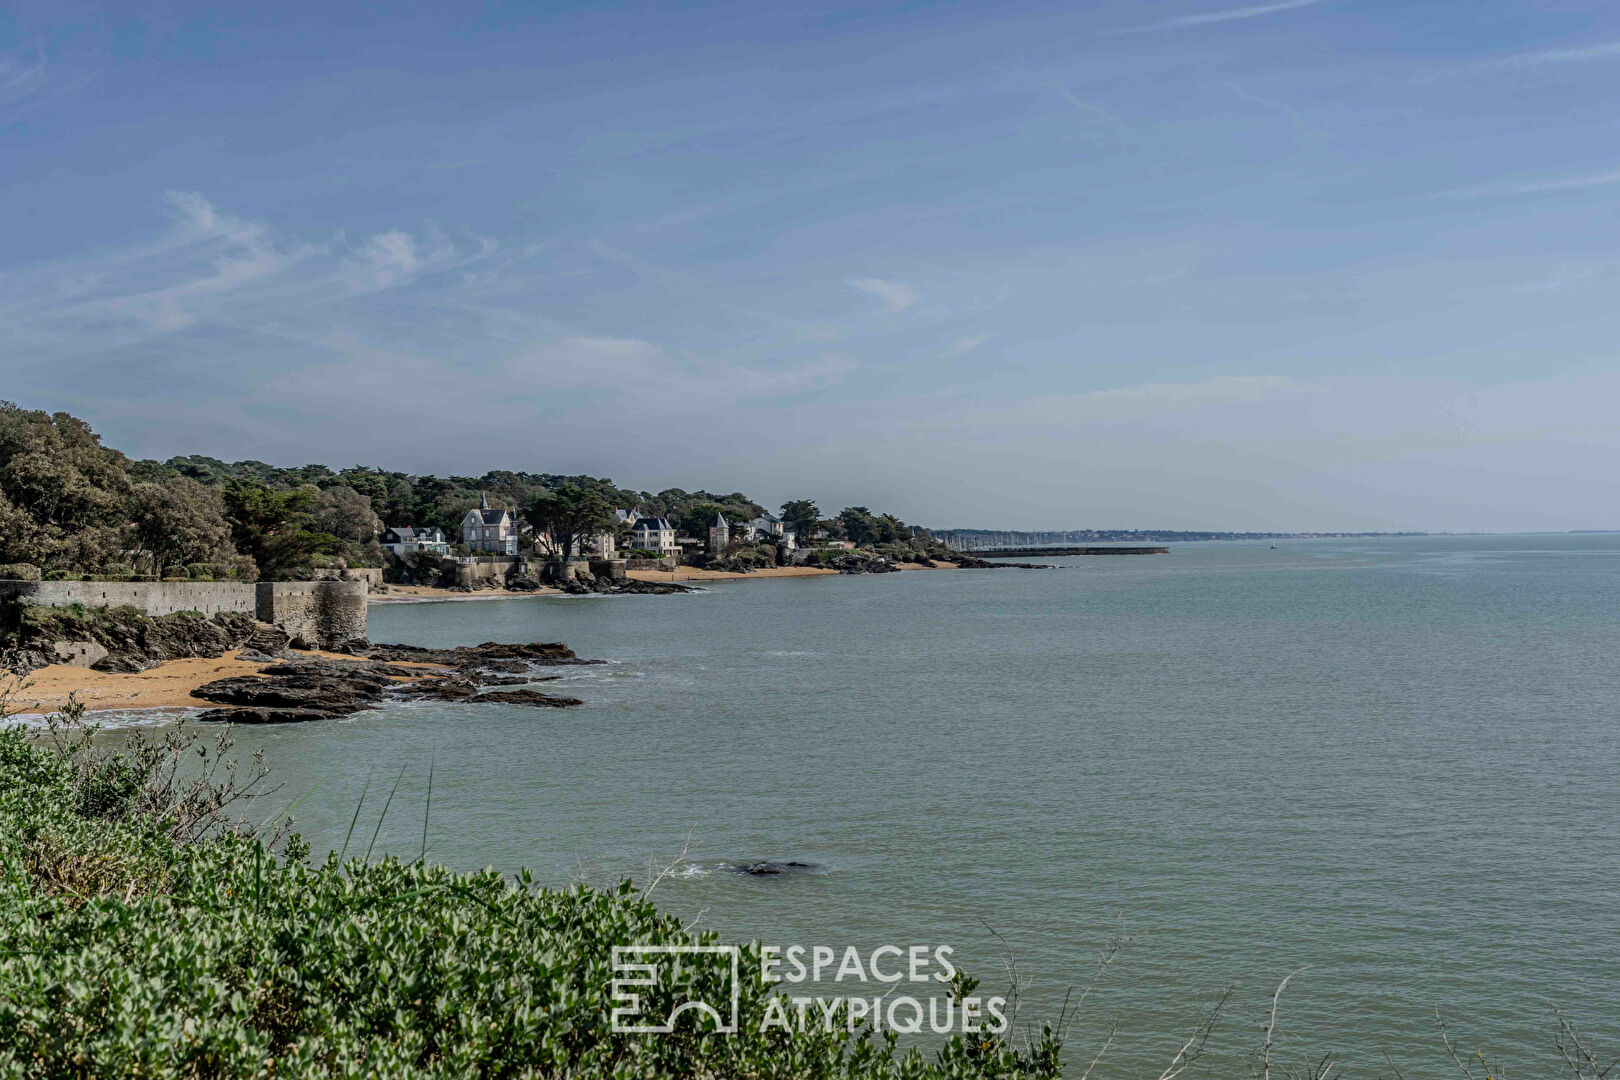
column 332, row 695
column 857, row 563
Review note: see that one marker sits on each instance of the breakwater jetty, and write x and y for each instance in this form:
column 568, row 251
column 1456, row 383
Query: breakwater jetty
column 1054, row 552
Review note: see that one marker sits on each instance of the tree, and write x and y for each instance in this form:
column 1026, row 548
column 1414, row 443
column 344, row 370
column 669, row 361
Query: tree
column 697, row 517
column 860, row 527
column 273, row 526
column 568, row 515
column 63, row 496
column 801, row 516
column 346, row 514
column 179, row 521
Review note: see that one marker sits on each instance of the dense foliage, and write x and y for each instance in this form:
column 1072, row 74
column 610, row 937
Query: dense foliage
column 70, row 506
column 135, row 941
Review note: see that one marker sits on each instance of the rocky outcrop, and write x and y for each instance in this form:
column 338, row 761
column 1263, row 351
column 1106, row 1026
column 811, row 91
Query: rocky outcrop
column 584, row 584
column 535, row 652
column 310, row 688
column 524, row 697
column 856, row 562
column 772, row 868
column 968, row 562
column 122, row 638
column 263, row 715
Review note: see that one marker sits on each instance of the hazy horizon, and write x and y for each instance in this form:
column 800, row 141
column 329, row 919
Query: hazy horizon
column 1321, row 265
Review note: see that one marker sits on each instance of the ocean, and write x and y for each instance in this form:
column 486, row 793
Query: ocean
column 1388, row 765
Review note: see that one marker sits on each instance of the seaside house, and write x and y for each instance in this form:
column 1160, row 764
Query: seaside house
column 719, row 535
column 402, row 540
column 656, row 534
column 489, row 530
column 766, row 527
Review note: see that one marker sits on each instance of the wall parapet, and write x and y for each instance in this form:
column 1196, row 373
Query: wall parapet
column 317, row 613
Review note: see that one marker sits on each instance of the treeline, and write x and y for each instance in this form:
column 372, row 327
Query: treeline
column 69, row 505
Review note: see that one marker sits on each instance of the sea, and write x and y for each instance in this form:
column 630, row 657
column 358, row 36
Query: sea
column 1387, row 767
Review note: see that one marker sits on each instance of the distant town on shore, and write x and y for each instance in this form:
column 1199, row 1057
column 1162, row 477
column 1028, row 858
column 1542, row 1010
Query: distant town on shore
column 72, row 507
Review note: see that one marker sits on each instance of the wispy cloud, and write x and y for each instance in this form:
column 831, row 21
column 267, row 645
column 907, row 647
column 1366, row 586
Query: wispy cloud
column 1182, row 22
column 22, row 74
column 1581, row 54
column 1548, row 185
column 896, row 295
column 963, row 346
column 1096, row 112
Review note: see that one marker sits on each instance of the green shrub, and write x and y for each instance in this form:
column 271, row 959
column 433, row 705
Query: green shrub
column 130, row 946
column 19, row 571
column 200, row 572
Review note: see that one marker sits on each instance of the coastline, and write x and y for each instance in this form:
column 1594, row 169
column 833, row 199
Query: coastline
column 693, row 574
column 167, row 686
column 422, row 594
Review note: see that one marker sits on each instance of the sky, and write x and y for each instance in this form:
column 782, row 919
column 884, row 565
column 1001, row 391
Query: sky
column 1289, row 265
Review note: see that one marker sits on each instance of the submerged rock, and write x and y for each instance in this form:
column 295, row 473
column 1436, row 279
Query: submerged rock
column 545, row 653
column 264, row 715
column 772, row 868
column 525, row 697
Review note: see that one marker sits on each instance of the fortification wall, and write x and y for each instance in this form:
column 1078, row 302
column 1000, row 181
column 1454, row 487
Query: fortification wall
column 481, row 568
column 319, row 613
column 651, row 564
column 152, row 597
column 371, row 575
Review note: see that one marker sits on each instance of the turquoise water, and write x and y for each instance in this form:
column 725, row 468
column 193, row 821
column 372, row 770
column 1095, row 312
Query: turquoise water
column 1389, row 762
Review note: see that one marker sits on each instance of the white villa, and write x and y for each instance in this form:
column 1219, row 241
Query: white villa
column 656, row 534
column 489, row 530
column 766, row 527
column 402, row 540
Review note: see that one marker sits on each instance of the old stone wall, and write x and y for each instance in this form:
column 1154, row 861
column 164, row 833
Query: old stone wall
column 651, row 564
column 481, row 568
column 152, row 597
column 371, row 575
column 319, row 614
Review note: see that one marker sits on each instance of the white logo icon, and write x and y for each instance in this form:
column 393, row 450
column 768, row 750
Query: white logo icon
column 638, row 966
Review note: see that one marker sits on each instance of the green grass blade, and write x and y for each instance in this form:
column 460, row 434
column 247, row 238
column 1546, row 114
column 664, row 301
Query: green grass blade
column 384, row 815
column 363, row 789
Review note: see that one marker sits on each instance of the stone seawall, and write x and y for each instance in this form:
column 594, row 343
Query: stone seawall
column 318, row 613
column 152, row 597
column 371, row 575
column 481, row 568
column 668, row 563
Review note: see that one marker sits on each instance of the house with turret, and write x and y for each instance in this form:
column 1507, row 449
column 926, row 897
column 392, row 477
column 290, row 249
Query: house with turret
column 719, row 535
column 489, row 530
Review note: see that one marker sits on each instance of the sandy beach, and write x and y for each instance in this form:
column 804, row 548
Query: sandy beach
column 166, row 686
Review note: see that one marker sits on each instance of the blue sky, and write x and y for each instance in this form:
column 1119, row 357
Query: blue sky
column 1311, row 264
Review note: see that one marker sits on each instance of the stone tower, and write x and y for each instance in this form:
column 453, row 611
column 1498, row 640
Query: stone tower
column 719, row 535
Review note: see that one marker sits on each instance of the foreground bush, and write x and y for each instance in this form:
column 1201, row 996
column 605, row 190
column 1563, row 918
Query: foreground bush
column 138, row 937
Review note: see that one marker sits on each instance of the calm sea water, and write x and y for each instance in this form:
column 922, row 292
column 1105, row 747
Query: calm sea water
column 1392, row 763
